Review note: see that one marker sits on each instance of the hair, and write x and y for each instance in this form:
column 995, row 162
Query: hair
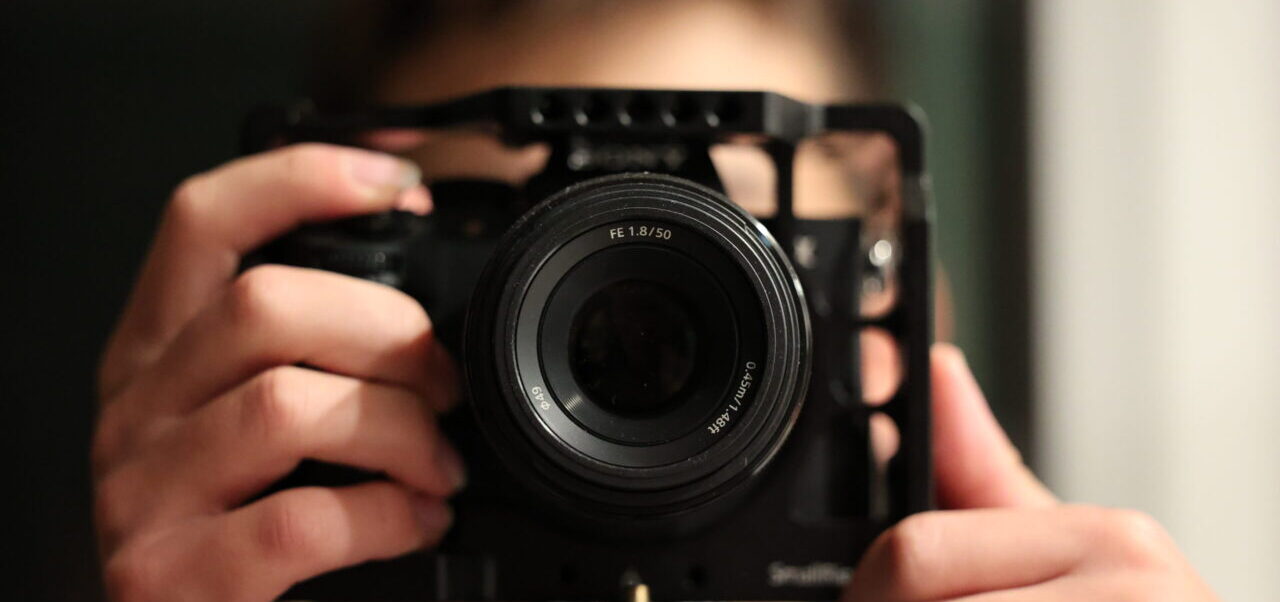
column 364, row 38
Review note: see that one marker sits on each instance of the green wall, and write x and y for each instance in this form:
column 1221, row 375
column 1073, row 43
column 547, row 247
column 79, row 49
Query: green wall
column 962, row 61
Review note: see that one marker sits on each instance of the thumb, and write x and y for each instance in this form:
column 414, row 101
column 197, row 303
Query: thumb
column 977, row 466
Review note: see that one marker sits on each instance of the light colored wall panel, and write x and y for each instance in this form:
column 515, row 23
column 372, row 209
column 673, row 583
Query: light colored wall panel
column 1157, row 225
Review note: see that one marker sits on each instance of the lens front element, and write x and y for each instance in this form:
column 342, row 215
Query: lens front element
column 640, row 344
column 634, row 346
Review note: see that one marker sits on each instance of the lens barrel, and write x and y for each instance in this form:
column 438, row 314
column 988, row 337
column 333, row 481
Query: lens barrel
column 638, row 346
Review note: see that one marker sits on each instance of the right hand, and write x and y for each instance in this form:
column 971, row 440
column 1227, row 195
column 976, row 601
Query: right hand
column 204, row 403
column 1004, row 537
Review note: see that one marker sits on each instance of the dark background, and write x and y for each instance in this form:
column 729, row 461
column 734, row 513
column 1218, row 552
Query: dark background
column 106, row 106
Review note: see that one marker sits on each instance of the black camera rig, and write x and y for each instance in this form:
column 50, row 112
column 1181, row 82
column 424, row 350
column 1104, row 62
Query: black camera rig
column 757, row 480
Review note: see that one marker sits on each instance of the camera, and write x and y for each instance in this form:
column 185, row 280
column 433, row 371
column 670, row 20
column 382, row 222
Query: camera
column 663, row 339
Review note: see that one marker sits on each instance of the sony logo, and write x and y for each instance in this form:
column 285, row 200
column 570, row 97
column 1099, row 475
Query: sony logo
column 817, row 574
column 627, row 157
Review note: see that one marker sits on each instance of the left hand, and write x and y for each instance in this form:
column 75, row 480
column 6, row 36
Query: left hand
column 1005, row 537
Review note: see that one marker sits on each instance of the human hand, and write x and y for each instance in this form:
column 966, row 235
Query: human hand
column 204, row 403
column 1005, row 537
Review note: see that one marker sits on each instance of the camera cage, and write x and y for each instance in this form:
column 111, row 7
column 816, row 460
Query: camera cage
column 775, row 123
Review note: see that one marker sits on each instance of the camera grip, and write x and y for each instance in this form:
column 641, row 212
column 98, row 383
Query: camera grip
column 373, row 247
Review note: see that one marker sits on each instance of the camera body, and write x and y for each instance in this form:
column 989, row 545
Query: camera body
column 662, row 388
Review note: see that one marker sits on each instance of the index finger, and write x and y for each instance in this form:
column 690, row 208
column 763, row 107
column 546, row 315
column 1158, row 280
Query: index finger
column 977, row 466
column 215, row 218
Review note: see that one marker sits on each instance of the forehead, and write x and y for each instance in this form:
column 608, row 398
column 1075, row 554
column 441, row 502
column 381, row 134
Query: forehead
column 792, row 47
column 788, row 47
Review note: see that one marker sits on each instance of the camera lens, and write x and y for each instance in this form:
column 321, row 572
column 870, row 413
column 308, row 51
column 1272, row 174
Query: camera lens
column 638, row 346
column 624, row 342
column 634, row 347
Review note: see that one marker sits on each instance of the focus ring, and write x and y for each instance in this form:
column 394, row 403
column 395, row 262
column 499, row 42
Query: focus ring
column 537, row 454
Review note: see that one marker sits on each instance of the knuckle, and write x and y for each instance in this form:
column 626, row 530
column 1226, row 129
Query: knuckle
column 297, row 528
column 1137, row 539
column 259, row 294
column 1131, row 588
column 185, row 207
column 106, row 438
column 418, row 323
column 275, row 405
column 398, row 311
column 387, row 508
column 133, row 575
column 1163, row 588
column 415, row 314
column 111, row 500
column 101, row 450
column 905, row 550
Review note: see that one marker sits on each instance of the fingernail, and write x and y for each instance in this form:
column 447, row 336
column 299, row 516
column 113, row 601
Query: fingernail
column 433, row 514
column 414, row 200
column 450, row 464
column 956, row 355
column 381, row 176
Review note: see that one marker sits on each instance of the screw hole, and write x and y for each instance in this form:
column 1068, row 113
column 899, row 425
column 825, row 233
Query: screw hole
column 642, row 109
column 730, row 111
column 568, row 574
column 547, row 109
column 684, row 109
column 598, row 108
column 696, row 578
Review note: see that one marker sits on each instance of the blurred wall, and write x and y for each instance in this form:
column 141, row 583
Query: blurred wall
column 1157, row 271
column 963, row 62
column 106, row 107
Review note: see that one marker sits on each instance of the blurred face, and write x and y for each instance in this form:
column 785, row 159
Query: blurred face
column 782, row 46
column 789, row 47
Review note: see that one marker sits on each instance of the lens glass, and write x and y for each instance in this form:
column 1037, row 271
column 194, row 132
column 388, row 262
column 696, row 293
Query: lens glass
column 634, row 346
column 639, row 343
